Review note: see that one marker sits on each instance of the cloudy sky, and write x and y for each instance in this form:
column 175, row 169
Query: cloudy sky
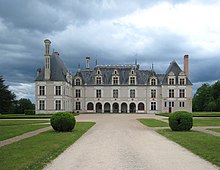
column 111, row 31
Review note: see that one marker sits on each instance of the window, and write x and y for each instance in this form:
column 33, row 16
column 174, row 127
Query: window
column 98, row 94
column 171, row 81
column 78, row 106
column 165, row 104
column 98, row 80
column 182, row 104
column 153, row 82
column 182, row 81
column 78, row 93
column 58, row 90
column 58, row 105
column 171, row 104
column 171, row 93
column 41, row 105
column 141, row 106
column 115, row 93
column 41, row 90
column 132, row 80
column 153, row 105
column 182, row 93
column 153, row 93
column 115, row 80
column 132, row 93
column 77, row 82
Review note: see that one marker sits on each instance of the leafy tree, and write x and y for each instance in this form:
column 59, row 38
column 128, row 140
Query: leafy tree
column 23, row 104
column 6, row 97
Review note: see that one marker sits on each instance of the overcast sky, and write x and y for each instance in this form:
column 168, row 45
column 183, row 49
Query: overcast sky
column 111, row 31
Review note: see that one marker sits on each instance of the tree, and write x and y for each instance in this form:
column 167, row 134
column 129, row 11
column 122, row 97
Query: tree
column 22, row 105
column 6, row 97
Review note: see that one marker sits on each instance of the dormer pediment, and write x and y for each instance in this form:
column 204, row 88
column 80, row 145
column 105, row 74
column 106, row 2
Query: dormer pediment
column 171, row 74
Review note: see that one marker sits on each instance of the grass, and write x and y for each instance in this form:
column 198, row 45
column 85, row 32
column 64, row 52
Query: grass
column 215, row 129
column 196, row 114
column 12, row 128
column 23, row 116
column 206, row 122
column 35, row 152
column 205, row 145
column 153, row 122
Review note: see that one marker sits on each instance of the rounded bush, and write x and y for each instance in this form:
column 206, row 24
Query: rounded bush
column 180, row 121
column 63, row 121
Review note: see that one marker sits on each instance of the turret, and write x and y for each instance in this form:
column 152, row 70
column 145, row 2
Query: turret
column 47, row 59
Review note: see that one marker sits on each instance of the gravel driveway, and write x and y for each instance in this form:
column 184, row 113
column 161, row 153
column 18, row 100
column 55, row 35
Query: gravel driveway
column 120, row 142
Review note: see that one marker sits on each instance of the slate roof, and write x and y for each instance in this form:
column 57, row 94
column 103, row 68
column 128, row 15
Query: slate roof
column 59, row 72
column 58, row 69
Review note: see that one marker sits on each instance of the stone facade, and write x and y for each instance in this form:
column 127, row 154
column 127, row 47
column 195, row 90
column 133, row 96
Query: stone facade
column 110, row 88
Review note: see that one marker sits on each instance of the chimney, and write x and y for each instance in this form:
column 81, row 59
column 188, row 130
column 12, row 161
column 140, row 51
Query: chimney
column 186, row 65
column 56, row 54
column 38, row 72
column 47, row 59
column 88, row 63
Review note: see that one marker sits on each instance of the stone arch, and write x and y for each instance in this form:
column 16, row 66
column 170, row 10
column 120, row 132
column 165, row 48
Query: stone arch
column 124, row 108
column 115, row 108
column 90, row 106
column 132, row 108
column 141, row 106
column 107, row 108
column 98, row 108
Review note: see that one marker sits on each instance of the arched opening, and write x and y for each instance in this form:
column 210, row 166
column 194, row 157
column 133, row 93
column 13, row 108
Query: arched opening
column 90, row 106
column 98, row 108
column 132, row 108
column 124, row 108
column 115, row 108
column 107, row 108
column 141, row 106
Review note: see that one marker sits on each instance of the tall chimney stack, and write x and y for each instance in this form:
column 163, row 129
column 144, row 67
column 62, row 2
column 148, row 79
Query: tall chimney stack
column 47, row 59
column 88, row 63
column 186, row 65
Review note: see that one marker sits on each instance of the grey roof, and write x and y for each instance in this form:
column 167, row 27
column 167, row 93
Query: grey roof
column 174, row 67
column 58, row 69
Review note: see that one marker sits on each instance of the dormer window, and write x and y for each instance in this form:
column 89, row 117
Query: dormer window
column 132, row 80
column 78, row 82
column 153, row 82
column 182, row 81
column 98, row 80
column 115, row 72
column 171, row 81
column 115, row 80
column 98, row 72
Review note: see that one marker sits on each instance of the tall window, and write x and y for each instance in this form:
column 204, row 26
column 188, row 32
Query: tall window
column 153, row 106
column 98, row 93
column 115, row 80
column 153, row 93
column 132, row 80
column 171, row 81
column 171, row 104
column 58, row 104
column 78, row 82
column 41, row 90
column 141, row 106
column 78, row 93
column 153, row 82
column 132, row 93
column 58, row 90
column 78, row 105
column 182, row 104
column 41, row 105
column 171, row 93
column 115, row 93
column 182, row 93
column 98, row 80
column 182, row 81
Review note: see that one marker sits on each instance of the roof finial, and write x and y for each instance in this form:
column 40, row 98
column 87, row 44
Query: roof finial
column 135, row 61
column 78, row 67
column 96, row 62
column 152, row 66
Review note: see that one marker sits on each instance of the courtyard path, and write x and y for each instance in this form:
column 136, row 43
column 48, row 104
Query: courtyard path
column 120, row 142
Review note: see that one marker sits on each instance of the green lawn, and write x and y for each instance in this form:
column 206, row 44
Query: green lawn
column 215, row 129
column 206, row 122
column 205, row 145
column 35, row 152
column 153, row 122
column 23, row 116
column 20, row 122
column 197, row 114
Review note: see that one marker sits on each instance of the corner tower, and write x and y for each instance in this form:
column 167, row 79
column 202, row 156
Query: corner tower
column 47, row 70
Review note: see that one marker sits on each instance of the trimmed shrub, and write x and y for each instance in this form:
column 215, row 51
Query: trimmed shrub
column 63, row 121
column 181, row 121
column 29, row 112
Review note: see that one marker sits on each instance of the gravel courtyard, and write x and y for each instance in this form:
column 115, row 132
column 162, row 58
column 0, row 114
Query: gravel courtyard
column 120, row 142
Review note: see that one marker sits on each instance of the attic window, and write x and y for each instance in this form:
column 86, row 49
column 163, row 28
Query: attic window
column 78, row 82
column 171, row 81
column 132, row 72
column 153, row 82
column 115, row 72
column 98, row 72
